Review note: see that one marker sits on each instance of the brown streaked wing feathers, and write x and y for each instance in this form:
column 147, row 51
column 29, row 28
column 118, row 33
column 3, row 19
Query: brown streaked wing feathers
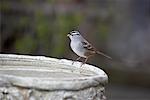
column 90, row 49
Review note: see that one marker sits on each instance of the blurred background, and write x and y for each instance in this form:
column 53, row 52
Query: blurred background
column 119, row 28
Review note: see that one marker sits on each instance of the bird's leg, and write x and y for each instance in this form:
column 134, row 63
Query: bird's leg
column 84, row 61
column 76, row 60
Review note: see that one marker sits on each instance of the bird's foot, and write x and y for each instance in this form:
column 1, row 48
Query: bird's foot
column 72, row 62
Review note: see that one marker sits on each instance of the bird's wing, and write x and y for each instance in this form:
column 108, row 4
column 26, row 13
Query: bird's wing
column 92, row 50
column 88, row 46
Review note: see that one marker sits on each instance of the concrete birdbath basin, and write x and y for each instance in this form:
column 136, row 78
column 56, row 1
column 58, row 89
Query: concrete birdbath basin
column 42, row 78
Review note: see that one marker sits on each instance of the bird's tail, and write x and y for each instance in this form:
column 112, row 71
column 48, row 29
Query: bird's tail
column 98, row 52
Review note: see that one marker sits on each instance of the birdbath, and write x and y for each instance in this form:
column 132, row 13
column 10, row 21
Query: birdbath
column 25, row 77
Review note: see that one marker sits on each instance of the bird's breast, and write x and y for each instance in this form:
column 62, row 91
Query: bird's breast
column 78, row 48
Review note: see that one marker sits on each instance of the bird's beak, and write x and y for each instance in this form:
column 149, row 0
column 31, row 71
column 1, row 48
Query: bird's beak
column 68, row 34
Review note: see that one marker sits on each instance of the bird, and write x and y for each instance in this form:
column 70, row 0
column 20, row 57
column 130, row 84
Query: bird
column 82, row 47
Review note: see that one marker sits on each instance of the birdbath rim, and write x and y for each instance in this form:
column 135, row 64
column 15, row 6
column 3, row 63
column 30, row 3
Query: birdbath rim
column 47, row 73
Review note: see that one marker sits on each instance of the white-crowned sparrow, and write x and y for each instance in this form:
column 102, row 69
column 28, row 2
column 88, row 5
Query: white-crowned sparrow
column 82, row 47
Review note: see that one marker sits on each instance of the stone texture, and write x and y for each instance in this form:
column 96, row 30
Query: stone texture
column 42, row 78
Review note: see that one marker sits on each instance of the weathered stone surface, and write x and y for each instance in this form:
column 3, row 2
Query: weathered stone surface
column 42, row 78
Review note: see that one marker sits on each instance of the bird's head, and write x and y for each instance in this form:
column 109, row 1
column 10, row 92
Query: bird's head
column 74, row 35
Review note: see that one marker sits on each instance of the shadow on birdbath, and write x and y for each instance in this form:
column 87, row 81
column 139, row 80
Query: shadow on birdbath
column 42, row 78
